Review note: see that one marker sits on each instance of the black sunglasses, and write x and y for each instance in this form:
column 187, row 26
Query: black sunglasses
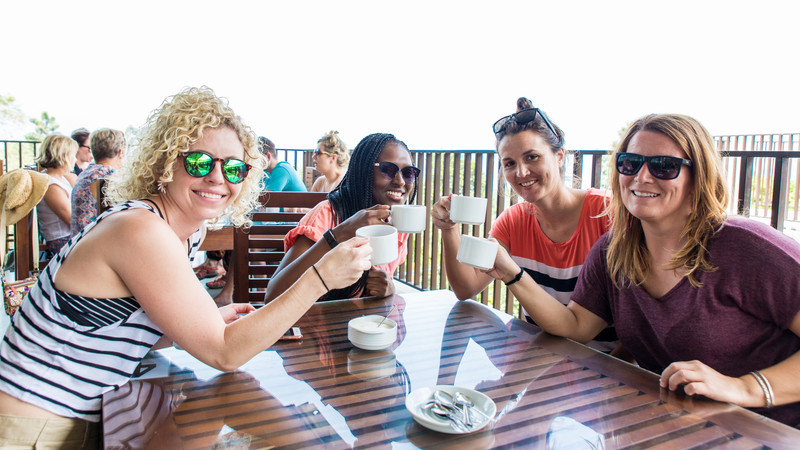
column 661, row 167
column 521, row 117
column 200, row 164
column 390, row 169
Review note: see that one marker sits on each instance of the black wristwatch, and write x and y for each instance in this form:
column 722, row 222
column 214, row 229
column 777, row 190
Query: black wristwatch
column 329, row 237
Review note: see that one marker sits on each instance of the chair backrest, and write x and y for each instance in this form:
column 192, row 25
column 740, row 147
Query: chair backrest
column 98, row 190
column 258, row 251
column 27, row 247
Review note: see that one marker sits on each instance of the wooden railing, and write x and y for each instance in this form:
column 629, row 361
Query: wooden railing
column 762, row 173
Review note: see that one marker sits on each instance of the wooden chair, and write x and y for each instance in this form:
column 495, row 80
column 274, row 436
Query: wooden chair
column 258, row 251
column 27, row 247
column 98, row 190
column 310, row 175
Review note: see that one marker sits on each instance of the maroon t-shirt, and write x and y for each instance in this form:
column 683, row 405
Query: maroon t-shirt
column 736, row 323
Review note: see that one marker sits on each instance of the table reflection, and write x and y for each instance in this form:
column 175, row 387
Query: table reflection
column 322, row 391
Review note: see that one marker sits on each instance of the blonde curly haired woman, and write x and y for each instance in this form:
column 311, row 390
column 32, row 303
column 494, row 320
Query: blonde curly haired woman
column 124, row 285
column 330, row 158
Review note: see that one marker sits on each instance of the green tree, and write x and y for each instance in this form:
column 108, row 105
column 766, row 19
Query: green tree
column 42, row 127
column 11, row 117
column 132, row 135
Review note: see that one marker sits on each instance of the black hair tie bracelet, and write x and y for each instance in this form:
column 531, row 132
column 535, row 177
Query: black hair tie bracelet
column 516, row 278
column 320, row 277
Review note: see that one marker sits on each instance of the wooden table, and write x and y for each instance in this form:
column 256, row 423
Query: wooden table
column 322, row 392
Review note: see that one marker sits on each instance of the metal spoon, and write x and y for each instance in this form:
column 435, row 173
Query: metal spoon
column 445, row 399
column 467, row 404
column 455, row 422
column 387, row 316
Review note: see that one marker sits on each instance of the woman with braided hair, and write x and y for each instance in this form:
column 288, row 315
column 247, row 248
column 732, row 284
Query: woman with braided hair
column 380, row 174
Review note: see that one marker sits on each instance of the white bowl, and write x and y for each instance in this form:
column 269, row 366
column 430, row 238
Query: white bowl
column 365, row 333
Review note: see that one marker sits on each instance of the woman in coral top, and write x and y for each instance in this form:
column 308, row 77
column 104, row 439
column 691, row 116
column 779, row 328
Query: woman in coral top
column 550, row 232
column 380, row 174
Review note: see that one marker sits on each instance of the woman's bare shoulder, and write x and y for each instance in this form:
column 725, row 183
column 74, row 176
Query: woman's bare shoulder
column 318, row 184
column 133, row 227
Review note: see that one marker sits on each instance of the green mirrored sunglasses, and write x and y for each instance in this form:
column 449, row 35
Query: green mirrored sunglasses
column 200, row 164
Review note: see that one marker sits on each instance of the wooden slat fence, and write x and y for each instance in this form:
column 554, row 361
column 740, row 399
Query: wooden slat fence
column 762, row 172
column 467, row 172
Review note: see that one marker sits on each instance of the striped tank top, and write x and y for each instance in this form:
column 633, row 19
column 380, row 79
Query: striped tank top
column 63, row 351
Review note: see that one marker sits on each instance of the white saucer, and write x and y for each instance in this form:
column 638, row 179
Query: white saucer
column 416, row 400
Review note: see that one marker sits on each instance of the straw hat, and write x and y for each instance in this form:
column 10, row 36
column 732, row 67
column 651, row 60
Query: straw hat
column 20, row 191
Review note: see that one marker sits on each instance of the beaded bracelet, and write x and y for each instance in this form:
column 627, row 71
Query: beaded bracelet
column 320, row 277
column 765, row 386
column 516, row 278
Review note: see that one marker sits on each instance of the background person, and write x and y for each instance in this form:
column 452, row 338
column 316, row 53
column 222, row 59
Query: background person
column 282, row 175
column 84, row 156
column 108, row 150
column 380, row 174
column 330, row 158
column 709, row 302
column 551, row 231
column 80, row 332
column 55, row 210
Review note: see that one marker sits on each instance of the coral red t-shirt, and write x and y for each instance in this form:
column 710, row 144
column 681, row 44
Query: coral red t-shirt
column 314, row 224
column 554, row 266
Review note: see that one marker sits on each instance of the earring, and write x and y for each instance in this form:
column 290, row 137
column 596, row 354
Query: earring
column 161, row 187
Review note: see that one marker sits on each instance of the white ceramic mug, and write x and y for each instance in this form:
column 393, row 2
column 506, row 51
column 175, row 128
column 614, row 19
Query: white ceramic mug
column 383, row 240
column 409, row 218
column 477, row 252
column 469, row 210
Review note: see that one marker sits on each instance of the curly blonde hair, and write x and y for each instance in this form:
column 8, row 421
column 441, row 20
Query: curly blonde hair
column 177, row 124
column 627, row 254
column 332, row 143
column 56, row 151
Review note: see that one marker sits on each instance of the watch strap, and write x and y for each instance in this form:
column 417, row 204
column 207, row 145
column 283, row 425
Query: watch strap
column 328, row 235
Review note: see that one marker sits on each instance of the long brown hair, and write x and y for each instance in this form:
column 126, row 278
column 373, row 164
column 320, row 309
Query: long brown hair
column 627, row 254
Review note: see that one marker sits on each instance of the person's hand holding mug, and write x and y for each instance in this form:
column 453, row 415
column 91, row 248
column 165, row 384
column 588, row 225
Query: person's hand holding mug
column 375, row 215
column 440, row 214
column 345, row 264
column 505, row 269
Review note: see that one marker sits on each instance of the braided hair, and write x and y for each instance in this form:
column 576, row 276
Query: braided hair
column 354, row 193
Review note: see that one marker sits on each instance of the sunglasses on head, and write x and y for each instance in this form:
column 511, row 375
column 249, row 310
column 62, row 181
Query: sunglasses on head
column 200, row 164
column 390, row 169
column 522, row 117
column 661, row 167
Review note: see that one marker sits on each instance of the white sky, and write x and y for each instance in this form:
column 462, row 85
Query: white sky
column 435, row 73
